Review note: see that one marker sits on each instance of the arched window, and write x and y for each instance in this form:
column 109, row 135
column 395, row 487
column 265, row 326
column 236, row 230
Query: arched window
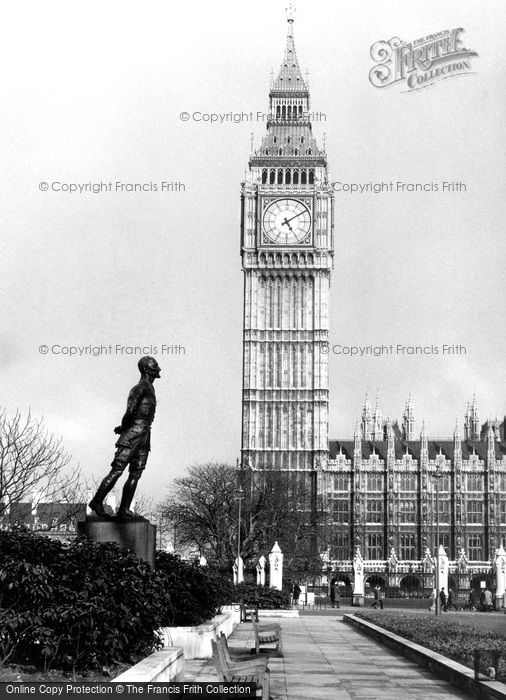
column 311, row 177
column 289, row 112
column 270, row 367
column 288, row 177
column 264, row 176
column 280, row 152
column 303, row 177
column 278, row 111
column 295, row 174
column 280, row 177
column 296, row 152
column 272, row 177
column 275, row 139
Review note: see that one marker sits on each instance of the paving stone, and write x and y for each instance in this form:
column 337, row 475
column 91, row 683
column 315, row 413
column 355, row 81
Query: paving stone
column 325, row 659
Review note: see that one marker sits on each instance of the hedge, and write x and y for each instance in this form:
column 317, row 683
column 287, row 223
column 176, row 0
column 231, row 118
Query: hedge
column 452, row 639
column 266, row 598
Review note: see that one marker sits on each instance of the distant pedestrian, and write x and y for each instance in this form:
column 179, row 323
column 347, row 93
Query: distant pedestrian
column 338, row 596
column 442, row 598
column 377, row 598
column 296, row 593
column 450, row 603
column 333, row 589
column 487, row 600
column 473, row 601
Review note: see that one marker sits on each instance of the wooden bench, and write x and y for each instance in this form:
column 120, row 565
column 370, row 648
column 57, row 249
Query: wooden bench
column 262, row 657
column 268, row 634
column 253, row 671
column 249, row 613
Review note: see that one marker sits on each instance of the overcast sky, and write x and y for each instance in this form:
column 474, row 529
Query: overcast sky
column 93, row 92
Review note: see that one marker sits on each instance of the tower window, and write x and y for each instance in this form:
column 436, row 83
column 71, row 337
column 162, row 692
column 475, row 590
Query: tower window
column 280, row 152
column 266, row 151
column 264, row 177
column 288, row 177
column 275, row 139
column 302, row 139
column 280, row 177
column 309, row 151
column 278, row 111
column 272, row 177
column 311, row 177
column 303, row 178
column 289, row 140
column 295, row 174
column 296, row 151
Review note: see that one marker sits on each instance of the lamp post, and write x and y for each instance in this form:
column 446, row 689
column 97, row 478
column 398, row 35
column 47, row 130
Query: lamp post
column 436, row 476
column 239, row 494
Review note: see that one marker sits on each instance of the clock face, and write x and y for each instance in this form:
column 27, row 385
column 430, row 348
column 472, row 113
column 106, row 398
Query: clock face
column 287, row 221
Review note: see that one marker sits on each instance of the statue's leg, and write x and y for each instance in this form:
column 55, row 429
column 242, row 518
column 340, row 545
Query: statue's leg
column 118, row 464
column 97, row 502
column 137, row 465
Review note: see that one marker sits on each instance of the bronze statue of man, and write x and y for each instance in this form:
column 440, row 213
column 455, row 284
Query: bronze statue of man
column 133, row 444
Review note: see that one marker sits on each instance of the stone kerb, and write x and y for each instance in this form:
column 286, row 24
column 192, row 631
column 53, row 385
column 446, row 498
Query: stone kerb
column 196, row 641
column 159, row 667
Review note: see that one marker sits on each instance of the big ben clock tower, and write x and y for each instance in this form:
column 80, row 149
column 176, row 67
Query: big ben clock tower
column 287, row 254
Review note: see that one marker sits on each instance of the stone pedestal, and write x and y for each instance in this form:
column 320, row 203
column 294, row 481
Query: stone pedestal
column 238, row 570
column 358, row 584
column 260, row 567
column 137, row 535
column 276, row 567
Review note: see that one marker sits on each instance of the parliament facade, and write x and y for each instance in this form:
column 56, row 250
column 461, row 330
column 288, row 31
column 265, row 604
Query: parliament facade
column 385, row 489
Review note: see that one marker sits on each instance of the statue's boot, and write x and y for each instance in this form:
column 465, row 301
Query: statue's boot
column 127, row 497
column 97, row 502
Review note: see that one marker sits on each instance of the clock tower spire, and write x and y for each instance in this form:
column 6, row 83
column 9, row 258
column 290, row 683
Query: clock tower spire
column 286, row 250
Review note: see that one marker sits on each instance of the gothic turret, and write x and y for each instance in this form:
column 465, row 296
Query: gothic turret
column 472, row 421
column 408, row 421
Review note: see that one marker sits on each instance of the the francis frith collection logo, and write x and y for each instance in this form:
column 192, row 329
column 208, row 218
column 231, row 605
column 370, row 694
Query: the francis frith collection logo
column 422, row 62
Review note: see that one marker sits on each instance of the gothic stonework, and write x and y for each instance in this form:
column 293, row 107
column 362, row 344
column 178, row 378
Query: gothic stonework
column 287, row 260
column 378, row 487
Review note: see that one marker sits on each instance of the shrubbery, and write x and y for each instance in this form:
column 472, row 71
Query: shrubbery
column 77, row 606
column 196, row 592
column 266, row 598
column 452, row 639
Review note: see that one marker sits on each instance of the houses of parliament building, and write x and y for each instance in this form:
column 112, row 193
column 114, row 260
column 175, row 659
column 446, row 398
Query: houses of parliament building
column 387, row 486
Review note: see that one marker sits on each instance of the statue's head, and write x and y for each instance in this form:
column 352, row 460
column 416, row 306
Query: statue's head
column 148, row 365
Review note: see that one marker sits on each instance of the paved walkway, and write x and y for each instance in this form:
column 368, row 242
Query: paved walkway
column 326, row 659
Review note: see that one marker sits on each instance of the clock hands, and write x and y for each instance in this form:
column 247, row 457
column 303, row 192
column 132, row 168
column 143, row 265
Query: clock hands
column 286, row 221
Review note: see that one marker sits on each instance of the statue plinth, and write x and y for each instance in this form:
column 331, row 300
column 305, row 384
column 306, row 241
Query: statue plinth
column 135, row 534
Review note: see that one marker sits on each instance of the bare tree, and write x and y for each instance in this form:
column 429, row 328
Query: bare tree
column 35, row 469
column 203, row 510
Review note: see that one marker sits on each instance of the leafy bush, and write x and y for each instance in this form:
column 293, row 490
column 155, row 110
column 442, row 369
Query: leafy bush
column 452, row 639
column 196, row 592
column 77, row 606
column 266, row 598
